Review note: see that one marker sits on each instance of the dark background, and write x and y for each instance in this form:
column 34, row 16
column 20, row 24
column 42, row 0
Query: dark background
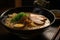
column 54, row 4
column 6, row 3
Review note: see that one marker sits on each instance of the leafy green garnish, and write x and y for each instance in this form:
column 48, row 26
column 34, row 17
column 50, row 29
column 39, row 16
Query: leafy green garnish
column 18, row 16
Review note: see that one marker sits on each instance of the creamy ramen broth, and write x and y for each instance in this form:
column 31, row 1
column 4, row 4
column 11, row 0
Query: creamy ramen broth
column 28, row 21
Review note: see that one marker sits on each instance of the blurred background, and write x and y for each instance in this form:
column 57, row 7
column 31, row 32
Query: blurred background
column 50, row 4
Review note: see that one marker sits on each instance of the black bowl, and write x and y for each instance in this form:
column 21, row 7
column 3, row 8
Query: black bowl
column 28, row 33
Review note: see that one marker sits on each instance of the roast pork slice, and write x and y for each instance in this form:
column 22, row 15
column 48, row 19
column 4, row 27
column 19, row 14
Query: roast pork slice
column 39, row 19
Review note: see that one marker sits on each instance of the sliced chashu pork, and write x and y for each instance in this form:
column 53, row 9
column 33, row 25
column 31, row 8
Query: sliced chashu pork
column 38, row 19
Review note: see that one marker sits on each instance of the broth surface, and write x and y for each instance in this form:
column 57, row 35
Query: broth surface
column 30, row 21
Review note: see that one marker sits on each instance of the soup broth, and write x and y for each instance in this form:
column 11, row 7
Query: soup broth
column 26, row 21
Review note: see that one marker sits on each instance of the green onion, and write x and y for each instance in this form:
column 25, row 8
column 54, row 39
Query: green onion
column 18, row 16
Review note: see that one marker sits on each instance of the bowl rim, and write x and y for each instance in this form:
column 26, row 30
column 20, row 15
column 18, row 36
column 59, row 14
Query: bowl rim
column 32, row 29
